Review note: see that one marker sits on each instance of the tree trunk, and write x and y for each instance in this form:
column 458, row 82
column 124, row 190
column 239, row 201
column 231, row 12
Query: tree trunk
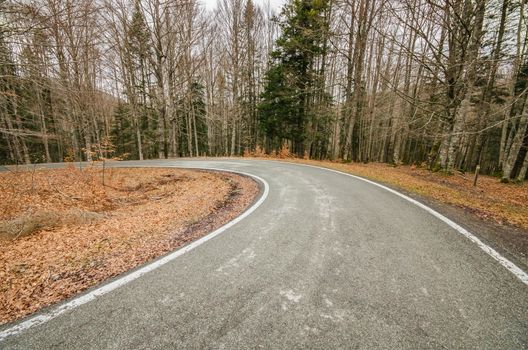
column 513, row 153
column 524, row 168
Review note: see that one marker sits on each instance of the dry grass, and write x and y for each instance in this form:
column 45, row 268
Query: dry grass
column 29, row 223
column 71, row 232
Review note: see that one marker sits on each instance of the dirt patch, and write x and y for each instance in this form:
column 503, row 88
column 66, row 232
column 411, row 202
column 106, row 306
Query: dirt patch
column 64, row 231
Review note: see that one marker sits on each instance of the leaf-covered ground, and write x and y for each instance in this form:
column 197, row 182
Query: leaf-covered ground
column 64, row 231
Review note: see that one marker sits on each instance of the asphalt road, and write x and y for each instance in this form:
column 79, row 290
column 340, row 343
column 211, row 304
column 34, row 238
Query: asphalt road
column 327, row 261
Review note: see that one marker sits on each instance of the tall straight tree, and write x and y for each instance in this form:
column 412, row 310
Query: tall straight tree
column 288, row 101
column 438, row 83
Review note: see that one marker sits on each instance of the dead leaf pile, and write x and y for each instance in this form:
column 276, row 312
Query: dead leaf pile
column 88, row 232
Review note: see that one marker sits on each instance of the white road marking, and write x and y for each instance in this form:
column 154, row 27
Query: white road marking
column 83, row 299
column 40, row 319
column 517, row 271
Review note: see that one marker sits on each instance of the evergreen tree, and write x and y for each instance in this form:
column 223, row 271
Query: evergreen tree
column 136, row 68
column 123, row 132
column 278, row 109
column 198, row 106
column 288, row 101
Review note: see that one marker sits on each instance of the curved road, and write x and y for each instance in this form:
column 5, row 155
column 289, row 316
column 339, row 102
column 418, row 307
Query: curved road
column 327, row 261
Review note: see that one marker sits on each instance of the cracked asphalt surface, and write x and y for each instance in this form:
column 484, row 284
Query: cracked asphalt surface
column 326, row 262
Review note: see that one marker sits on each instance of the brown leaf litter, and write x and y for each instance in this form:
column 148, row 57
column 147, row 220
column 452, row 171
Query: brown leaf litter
column 63, row 231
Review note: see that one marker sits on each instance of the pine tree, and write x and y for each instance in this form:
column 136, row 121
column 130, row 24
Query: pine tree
column 288, row 102
column 123, row 132
column 136, row 68
column 199, row 122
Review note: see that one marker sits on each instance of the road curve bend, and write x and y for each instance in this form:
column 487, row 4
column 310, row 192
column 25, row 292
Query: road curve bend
column 326, row 261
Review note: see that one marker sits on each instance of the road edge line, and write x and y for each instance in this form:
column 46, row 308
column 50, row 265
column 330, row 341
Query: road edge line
column 129, row 277
column 510, row 266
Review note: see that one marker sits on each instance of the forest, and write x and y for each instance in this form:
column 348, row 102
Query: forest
column 441, row 84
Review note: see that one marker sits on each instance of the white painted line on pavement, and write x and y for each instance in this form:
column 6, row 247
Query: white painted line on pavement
column 83, row 299
column 517, row 271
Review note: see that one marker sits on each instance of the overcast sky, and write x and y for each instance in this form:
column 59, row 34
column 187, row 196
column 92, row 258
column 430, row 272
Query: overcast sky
column 276, row 4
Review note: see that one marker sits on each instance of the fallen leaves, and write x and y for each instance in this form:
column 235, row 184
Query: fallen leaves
column 141, row 214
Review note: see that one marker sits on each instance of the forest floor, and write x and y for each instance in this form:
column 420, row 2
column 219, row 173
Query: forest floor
column 63, row 231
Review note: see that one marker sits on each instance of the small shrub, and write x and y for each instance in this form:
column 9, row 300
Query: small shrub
column 284, row 152
column 70, row 156
column 259, row 152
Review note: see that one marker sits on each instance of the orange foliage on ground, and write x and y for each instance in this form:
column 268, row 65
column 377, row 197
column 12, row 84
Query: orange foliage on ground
column 139, row 215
